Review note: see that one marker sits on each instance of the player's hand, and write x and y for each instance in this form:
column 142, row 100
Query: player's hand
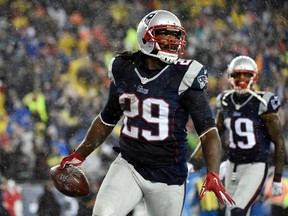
column 213, row 183
column 73, row 159
column 276, row 189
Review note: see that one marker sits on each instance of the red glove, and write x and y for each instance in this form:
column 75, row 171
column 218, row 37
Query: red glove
column 213, row 183
column 74, row 159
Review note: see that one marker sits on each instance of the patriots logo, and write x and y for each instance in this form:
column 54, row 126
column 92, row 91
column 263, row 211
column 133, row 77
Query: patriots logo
column 202, row 80
column 275, row 102
column 148, row 18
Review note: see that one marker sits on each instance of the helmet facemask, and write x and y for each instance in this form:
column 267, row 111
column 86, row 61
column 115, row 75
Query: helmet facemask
column 241, row 84
column 161, row 35
column 242, row 74
column 172, row 45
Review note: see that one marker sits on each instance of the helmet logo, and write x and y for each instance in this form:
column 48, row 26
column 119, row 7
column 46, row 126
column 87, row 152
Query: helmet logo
column 148, row 18
column 275, row 102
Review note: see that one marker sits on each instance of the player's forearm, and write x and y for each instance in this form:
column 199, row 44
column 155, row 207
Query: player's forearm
column 211, row 147
column 96, row 135
column 220, row 123
column 279, row 158
column 274, row 128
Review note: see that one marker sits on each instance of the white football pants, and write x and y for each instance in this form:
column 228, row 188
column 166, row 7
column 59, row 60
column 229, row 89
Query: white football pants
column 123, row 187
column 245, row 187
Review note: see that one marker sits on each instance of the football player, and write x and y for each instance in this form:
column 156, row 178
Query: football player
column 154, row 91
column 251, row 119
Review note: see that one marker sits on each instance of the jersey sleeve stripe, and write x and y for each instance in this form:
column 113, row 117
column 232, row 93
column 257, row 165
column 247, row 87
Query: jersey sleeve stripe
column 262, row 107
column 105, row 123
column 208, row 130
column 189, row 76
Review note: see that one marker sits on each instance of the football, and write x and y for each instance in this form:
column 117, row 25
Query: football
column 70, row 181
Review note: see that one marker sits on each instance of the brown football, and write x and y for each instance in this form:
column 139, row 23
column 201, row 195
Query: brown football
column 71, row 181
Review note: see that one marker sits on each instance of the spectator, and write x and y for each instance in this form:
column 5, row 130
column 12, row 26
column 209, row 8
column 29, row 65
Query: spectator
column 47, row 203
column 3, row 210
column 12, row 198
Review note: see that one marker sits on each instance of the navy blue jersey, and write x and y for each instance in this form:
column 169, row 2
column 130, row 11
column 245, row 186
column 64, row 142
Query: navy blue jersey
column 248, row 138
column 153, row 134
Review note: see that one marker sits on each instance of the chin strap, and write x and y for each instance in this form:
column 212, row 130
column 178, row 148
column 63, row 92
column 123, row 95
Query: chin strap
column 168, row 58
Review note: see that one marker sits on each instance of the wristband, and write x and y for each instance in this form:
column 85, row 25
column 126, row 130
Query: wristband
column 214, row 174
column 78, row 156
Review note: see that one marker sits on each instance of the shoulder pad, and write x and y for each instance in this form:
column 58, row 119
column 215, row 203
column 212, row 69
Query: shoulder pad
column 196, row 76
column 118, row 69
column 220, row 99
column 110, row 74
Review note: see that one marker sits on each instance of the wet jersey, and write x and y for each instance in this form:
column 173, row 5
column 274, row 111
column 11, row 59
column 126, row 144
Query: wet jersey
column 248, row 139
column 153, row 134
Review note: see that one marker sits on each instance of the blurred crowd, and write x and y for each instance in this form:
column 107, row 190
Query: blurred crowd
column 54, row 56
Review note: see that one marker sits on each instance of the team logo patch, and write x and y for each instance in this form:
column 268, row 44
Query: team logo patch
column 142, row 90
column 275, row 102
column 202, row 80
column 236, row 113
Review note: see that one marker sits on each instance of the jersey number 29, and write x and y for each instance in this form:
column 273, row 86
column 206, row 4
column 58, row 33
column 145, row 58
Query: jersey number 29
column 144, row 110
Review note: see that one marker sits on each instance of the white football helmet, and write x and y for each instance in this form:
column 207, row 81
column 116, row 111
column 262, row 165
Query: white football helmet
column 150, row 43
column 242, row 64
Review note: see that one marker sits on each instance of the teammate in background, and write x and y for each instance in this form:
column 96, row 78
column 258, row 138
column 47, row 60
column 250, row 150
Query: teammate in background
column 155, row 91
column 253, row 124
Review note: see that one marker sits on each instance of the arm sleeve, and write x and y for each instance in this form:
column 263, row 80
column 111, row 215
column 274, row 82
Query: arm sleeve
column 112, row 111
column 197, row 104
